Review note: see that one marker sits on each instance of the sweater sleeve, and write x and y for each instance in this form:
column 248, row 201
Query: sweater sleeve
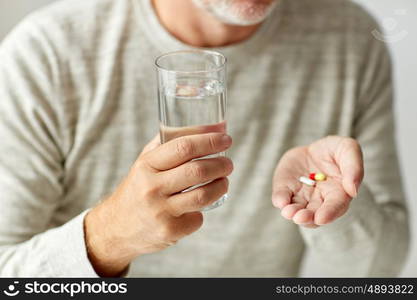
column 372, row 238
column 32, row 164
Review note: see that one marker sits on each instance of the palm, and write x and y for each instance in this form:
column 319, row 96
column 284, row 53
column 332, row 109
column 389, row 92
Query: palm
column 321, row 204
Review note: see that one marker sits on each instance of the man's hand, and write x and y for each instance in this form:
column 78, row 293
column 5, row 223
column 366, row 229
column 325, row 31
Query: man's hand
column 340, row 158
column 148, row 212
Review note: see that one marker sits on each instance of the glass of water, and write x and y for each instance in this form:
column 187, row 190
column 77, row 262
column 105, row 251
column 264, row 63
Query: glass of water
column 192, row 96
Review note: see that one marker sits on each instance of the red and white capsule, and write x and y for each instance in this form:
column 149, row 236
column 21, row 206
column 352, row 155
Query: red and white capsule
column 317, row 176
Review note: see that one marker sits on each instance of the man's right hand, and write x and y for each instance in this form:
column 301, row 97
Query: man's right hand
column 148, row 212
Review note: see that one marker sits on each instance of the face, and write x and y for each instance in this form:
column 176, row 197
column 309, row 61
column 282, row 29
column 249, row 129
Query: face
column 238, row 12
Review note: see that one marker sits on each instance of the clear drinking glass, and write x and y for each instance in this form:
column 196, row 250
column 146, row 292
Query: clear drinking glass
column 192, row 96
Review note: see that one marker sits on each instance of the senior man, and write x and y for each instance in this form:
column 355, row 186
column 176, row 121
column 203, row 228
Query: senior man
column 308, row 85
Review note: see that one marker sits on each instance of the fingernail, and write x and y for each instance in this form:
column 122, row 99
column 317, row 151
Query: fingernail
column 226, row 139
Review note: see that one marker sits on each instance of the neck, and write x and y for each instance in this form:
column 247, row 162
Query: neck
column 196, row 27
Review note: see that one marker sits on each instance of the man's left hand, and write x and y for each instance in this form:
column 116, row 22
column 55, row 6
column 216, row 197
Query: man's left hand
column 340, row 158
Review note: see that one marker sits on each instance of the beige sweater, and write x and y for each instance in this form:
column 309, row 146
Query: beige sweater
column 78, row 103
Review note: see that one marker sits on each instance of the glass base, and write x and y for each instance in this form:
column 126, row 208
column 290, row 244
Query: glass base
column 216, row 204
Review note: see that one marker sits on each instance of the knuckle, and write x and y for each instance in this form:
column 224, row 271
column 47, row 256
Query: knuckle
column 212, row 143
column 140, row 166
column 167, row 232
column 152, row 190
column 196, row 170
column 201, row 196
column 185, row 148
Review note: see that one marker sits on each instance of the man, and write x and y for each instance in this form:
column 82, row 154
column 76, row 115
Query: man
column 78, row 103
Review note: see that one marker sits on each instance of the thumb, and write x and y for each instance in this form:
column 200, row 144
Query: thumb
column 348, row 156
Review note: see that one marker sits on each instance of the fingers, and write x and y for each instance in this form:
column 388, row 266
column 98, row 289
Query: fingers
column 336, row 204
column 175, row 228
column 198, row 198
column 281, row 196
column 306, row 216
column 315, row 211
column 303, row 217
column 189, row 223
column 290, row 210
column 311, row 226
column 194, row 173
column 186, row 148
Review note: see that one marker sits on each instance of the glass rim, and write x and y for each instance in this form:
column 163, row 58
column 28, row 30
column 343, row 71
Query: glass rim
column 210, row 52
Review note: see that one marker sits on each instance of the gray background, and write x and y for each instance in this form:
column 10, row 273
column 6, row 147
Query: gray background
column 399, row 19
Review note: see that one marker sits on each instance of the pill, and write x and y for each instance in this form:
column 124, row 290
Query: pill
column 307, row 181
column 312, row 176
column 320, row 177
